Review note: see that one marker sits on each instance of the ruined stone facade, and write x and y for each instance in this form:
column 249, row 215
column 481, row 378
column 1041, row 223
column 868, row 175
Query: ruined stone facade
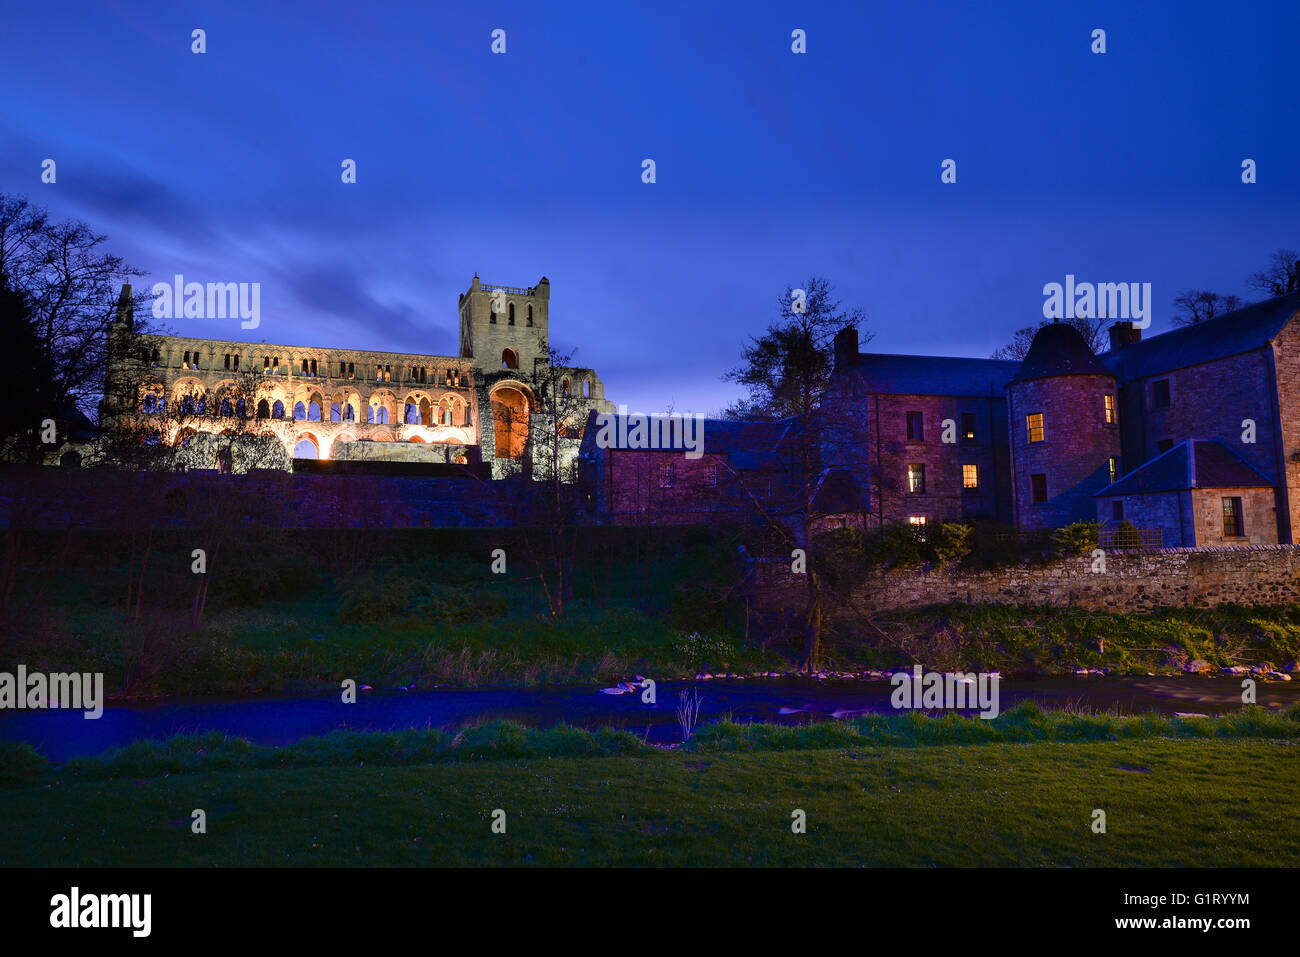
column 480, row 405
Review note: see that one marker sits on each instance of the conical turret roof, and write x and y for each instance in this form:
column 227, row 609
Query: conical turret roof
column 1058, row 349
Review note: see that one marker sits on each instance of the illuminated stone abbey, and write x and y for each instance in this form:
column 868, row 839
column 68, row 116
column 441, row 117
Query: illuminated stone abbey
column 329, row 403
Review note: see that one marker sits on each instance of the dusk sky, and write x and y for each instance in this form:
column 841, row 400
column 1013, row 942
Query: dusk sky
column 771, row 165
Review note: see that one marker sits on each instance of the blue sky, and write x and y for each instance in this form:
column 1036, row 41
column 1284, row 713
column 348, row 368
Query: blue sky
column 770, row 165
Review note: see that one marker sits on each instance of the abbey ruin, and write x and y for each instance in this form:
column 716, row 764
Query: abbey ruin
column 274, row 403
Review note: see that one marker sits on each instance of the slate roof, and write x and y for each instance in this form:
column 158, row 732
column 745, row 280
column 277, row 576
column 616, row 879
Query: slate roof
column 934, row 375
column 1228, row 335
column 1057, row 349
column 1193, row 463
column 748, row 444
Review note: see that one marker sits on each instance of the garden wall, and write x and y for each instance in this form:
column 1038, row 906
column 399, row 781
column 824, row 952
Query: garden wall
column 1132, row 581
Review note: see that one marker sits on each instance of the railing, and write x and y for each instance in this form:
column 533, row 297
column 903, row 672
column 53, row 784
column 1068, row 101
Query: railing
column 508, row 290
column 1119, row 535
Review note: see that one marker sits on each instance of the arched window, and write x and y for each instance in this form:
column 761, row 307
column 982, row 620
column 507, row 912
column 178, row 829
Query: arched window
column 263, row 410
column 509, row 359
column 586, row 388
column 299, row 411
column 150, row 404
column 236, row 360
column 564, row 387
column 277, row 410
column 528, row 320
column 227, row 410
column 349, row 413
column 510, row 313
column 227, row 360
column 239, row 408
column 411, row 414
column 313, row 411
column 336, row 413
column 425, row 408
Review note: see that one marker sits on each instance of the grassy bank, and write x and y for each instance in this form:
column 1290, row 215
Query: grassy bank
column 285, row 612
column 1194, row 801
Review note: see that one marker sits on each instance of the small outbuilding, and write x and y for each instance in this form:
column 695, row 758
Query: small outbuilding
column 1200, row 492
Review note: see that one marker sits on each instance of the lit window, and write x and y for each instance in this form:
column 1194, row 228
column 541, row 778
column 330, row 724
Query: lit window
column 1038, row 484
column 1034, row 425
column 1114, row 468
column 918, row 525
column 968, row 426
column 916, row 478
column 1232, row 523
column 1112, row 414
column 970, row 476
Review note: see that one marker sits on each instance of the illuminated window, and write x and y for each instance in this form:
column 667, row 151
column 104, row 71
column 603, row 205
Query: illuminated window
column 1232, row 523
column 968, row 426
column 916, row 478
column 970, row 476
column 1034, row 425
column 1112, row 414
column 1114, row 468
column 918, row 524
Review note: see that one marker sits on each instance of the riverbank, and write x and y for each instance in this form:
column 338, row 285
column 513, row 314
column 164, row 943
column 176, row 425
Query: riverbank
column 899, row 791
column 422, row 608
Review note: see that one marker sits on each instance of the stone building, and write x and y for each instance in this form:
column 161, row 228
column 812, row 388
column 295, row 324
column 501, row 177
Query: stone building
column 480, row 405
column 1194, row 433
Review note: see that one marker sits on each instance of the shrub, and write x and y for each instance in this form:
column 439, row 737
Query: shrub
column 20, row 764
column 897, row 545
column 1127, row 535
column 1077, row 538
column 954, row 543
column 697, row 651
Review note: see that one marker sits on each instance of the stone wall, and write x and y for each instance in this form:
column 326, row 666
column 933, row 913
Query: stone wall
column 1132, row 581
column 44, row 498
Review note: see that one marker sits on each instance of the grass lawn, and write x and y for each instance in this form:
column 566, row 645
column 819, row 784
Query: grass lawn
column 1189, row 802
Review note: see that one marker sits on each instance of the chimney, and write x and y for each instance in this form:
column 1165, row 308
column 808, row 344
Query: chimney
column 846, row 347
column 1123, row 333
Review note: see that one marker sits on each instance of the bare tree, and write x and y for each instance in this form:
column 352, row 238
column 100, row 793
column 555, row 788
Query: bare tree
column 71, row 287
column 1280, row 277
column 547, row 506
column 1199, row 305
column 1092, row 330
